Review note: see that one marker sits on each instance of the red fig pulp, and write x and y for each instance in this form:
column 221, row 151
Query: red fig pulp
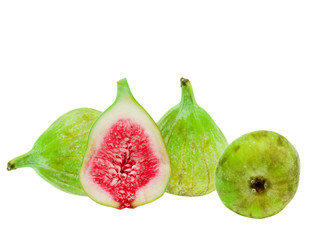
column 126, row 163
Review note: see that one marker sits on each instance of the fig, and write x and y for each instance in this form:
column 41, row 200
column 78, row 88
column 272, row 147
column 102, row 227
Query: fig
column 258, row 174
column 126, row 163
column 58, row 153
column 194, row 143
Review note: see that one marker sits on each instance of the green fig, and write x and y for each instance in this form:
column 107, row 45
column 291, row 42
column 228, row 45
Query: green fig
column 126, row 163
column 58, row 153
column 258, row 174
column 194, row 143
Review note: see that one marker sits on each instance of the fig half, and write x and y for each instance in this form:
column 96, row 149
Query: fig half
column 126, row 163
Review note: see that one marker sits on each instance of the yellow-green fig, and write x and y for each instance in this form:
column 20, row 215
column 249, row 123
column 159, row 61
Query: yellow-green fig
column 258, row 174
column 194, row 143
column 58, row 153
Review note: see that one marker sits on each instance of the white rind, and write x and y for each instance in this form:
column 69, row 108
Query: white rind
column 155, row 188
column 95, row 192
column 127, row 108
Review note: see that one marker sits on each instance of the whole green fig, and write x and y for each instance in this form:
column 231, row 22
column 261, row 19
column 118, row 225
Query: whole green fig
column 194, row 143
column 58, row 153
column 258, row 174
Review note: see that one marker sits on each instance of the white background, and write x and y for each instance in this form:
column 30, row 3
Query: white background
column 253, row 65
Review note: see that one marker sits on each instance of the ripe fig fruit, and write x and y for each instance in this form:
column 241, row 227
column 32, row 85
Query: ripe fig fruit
column 194, row 143
column 58, row 153
column 126, row 163
column 258, row 174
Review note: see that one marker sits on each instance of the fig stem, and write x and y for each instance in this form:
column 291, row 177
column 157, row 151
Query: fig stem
column 123, row 89
column 187, row 95
column 21, row 161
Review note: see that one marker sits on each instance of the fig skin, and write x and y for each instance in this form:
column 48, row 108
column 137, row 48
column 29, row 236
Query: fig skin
column 58, row 153
column 194, row 143
column 258, row 174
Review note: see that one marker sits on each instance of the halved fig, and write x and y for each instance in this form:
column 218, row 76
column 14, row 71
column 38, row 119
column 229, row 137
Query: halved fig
column 126, row 163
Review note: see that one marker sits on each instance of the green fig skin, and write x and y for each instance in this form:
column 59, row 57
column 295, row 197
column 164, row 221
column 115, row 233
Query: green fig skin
column 258, row 174
column 194, row 143
column 58, row 153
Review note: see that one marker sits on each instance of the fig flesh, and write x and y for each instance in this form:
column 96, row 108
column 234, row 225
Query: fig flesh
column 194, row 143
column 126, row 163
column 58, row 153
column 258, row 174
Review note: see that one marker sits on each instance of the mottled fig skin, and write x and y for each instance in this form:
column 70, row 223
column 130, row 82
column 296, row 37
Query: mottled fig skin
column 58, row 153
column 194, row 143
column 258, row 174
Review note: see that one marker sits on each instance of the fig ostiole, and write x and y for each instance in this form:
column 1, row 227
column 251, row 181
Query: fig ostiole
column 194, row 143
column 126, row 163
column 258, row 174
column 58, row 153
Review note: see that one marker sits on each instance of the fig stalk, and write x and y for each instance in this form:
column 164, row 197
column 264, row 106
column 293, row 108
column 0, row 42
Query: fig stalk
column 24, row 160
